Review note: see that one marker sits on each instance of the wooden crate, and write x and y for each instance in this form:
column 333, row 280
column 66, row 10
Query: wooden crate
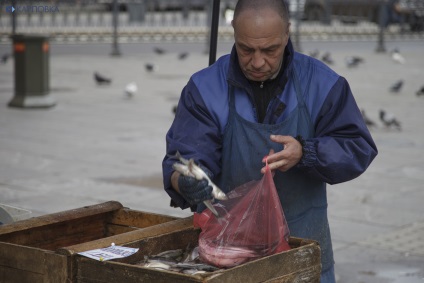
column 300, row 264
column 42, row 249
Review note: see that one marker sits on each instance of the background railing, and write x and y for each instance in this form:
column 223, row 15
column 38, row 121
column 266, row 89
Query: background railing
column 167, row 20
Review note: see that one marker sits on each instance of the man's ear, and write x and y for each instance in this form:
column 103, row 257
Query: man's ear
column 288, row 28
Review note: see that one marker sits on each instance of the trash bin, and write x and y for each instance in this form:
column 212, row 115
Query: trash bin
column 31, row 54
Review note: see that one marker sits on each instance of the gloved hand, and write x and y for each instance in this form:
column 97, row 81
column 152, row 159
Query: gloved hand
column 193, row 190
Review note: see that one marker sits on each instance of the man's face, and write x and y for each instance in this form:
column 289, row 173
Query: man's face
column 260, row 39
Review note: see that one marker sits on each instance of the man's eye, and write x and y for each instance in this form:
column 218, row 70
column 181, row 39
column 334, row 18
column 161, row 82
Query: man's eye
column 269, row 51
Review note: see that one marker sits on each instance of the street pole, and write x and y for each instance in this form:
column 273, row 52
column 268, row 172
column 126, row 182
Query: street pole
column 381, row 21
column 214, row 32
column 13, row 18
column 115, row 47
column 297, row 33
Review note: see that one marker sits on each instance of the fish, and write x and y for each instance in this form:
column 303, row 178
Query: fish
column 197, row 266
column 199, row 174
column 157, row 265
column 171, row 254
column 182, row 169
column 192, row 255
column 193, row 271
column 224, row 257
column 189, row 168
column 177, row 261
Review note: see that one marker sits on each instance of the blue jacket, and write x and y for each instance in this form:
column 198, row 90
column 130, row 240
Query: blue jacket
column 341, row 149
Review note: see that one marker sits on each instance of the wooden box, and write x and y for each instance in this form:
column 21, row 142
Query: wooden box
column 42, row 249
column 300, row 264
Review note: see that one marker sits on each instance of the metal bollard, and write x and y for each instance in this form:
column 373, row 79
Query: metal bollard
column 296, row 41
column 381, row 22
column 32, row 89
column 115, row 13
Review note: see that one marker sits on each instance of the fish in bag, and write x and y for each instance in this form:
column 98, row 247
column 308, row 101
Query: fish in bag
column 252, row 225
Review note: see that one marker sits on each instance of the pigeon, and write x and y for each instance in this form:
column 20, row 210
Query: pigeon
column 101, row 79
column 5, row 57
column 314, row 53
column 389, row 120
column 353, row 61
column 159, row 50
column 396, row 86
column 174, row 109
column 182, row 55
column 149, row 67
column 370, row 123
column 131, row 89
column 326, row 58
column 420, row 91
column 397, row 57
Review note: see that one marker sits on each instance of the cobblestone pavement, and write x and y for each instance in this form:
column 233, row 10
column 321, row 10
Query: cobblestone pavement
column 97, row 144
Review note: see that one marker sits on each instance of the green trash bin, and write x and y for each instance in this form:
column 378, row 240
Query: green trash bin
column 32, row 89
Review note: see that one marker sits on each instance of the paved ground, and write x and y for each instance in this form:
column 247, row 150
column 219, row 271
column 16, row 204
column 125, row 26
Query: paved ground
column 97, row 144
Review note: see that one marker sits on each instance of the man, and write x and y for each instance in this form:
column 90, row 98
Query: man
column 264, row 98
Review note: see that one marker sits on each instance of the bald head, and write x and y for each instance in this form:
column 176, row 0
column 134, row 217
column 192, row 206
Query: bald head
column 259, row 5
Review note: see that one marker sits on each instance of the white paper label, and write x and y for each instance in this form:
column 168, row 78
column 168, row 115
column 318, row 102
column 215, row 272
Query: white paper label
column 109, row 253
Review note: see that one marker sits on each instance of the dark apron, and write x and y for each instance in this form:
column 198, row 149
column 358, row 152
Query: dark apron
column 304, row 200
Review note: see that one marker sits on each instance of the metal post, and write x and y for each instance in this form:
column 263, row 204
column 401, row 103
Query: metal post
column 328, row 12
column 13, row 18
column 381, row 21
column 214, row 32
column 297, row 33
column 115, row 47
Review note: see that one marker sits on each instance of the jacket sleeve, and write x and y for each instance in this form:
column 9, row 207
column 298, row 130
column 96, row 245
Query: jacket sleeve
column 342, row 147
column 195, row 135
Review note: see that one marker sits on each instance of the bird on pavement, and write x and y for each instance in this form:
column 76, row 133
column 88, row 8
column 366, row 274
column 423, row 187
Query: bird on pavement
column 174, row 109
column 420, row 91
column 159, row 50
column 100, row 79
column 397, row 57
column 353, row 61
column 131, row 89
column 314, row 53
column 389, row 120
column 182, row 55
column 396, row 87
column 149, row 67
column 370, row 123
column 326, row 58
column 5, row 57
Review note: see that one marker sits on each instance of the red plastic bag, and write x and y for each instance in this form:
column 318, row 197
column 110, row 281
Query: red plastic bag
column 252, row 225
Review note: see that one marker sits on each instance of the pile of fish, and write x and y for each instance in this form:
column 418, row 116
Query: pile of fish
column 186, row 262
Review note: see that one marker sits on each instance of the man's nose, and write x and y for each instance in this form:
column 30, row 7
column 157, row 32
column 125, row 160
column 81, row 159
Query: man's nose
column 257, row 60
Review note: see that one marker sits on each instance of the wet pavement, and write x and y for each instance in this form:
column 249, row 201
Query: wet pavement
column 98, row 144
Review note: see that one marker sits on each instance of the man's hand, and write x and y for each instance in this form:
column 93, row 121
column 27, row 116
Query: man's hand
column 288, row 157
column 193, row 190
